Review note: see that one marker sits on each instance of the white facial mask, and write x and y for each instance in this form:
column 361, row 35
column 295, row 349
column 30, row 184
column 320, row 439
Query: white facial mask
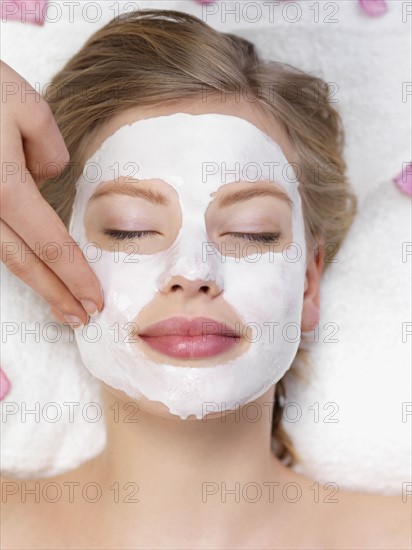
column 267, row 293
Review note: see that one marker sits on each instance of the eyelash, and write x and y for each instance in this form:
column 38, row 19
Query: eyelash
column 258, row 237
column 122, row 235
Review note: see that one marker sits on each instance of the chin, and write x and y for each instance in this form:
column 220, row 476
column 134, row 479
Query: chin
column 128, row 409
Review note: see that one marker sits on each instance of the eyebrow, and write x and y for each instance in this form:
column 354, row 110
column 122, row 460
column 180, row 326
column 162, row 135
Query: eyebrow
column 123, row 188
column 245, row 194
column 157, row 198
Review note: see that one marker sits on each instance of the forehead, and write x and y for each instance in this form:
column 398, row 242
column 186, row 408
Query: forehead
column 247, row 110
column 198, row 148
column 195, row 154
column 204, row 145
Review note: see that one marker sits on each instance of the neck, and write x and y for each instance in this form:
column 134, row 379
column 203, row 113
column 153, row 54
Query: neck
column 198, row 468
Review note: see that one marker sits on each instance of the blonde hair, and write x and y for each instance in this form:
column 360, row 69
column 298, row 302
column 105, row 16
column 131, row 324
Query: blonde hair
column 149, row 57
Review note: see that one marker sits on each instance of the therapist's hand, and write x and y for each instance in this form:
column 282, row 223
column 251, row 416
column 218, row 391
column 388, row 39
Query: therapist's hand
column 32, row 149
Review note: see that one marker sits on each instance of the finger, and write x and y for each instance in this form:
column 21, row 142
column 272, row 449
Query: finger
column 25, row 211
column 19, row 191
column 45, row 151
column 57, row 315
column 28, row 267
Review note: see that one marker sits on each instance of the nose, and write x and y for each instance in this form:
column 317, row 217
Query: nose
column 179, row 284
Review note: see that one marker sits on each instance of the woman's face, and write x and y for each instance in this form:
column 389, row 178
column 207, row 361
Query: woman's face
column 190, row 216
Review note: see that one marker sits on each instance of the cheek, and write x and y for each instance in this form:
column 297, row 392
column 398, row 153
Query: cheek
column 128, row 285
column 264, row 289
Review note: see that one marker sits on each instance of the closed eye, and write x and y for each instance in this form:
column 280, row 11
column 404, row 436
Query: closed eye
column 256, row 237
column 123, row 235
column 259, row 237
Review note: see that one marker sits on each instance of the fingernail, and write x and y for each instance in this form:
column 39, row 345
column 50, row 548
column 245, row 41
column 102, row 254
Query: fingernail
column 90, row 307
column 74, row 321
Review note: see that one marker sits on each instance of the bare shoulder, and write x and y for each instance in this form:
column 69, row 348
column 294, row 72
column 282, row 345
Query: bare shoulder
column 342, row 519
column 27, row 520
column 10, row 487
column 11, row 512
column 373, row 521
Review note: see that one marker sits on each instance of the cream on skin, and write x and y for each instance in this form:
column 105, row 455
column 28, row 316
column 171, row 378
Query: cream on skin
column 187, row 159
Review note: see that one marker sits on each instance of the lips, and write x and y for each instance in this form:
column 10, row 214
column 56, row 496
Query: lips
column 184, row 338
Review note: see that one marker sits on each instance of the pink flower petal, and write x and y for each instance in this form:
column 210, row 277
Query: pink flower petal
column 32, row 11
column 4, row 385
column 375, row 8
column 404, row 179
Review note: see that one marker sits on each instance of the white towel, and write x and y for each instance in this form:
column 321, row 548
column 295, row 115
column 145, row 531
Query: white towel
column 363, row 380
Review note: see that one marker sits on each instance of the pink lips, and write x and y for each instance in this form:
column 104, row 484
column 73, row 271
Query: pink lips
column 190, row 338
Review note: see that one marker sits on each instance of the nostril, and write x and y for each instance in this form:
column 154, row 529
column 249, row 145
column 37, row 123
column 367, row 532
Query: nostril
column 175, row 287
column 192, row 287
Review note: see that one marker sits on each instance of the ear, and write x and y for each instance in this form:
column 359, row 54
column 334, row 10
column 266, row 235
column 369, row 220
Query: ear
column 311, row 298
